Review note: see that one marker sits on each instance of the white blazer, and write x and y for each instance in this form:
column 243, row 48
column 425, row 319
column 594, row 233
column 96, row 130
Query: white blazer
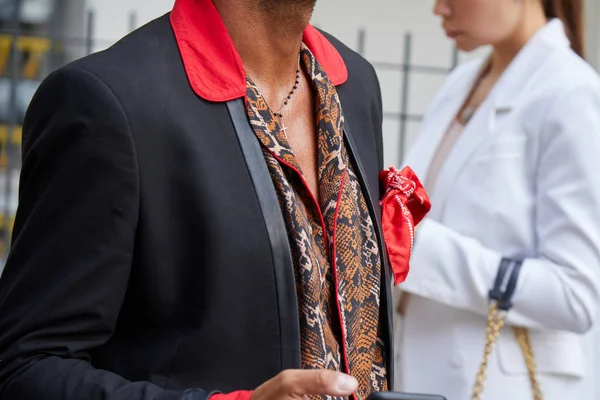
column 523, row 180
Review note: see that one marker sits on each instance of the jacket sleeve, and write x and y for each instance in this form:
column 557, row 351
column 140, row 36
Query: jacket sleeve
column 559, row 287
column 73, row 242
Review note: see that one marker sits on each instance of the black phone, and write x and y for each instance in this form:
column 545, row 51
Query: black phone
column 403, row 396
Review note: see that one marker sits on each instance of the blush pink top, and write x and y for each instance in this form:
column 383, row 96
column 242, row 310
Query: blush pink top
column 441, row 154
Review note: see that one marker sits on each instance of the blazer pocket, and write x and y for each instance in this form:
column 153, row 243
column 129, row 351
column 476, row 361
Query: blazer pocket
column 557, row 353
column 500, row 148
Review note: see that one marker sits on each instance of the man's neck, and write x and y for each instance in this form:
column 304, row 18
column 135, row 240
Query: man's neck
column 268, row 35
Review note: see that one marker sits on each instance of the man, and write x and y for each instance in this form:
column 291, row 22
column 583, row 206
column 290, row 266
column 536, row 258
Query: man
column 199, row 215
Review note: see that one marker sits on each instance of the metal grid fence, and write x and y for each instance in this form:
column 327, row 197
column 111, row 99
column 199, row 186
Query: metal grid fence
column 406, row 68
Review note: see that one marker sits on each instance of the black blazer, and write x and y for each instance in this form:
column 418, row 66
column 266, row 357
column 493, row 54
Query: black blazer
column 149, row 252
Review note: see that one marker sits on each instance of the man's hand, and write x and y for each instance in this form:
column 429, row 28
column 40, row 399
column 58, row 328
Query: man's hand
column 297, row 384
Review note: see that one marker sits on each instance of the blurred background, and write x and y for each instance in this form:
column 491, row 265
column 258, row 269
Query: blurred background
column 401, row 38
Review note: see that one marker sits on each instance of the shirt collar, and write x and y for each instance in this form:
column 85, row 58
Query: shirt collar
column 212, row 64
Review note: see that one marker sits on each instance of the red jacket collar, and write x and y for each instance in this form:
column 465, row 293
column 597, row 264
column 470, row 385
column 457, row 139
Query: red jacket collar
column 213, row 65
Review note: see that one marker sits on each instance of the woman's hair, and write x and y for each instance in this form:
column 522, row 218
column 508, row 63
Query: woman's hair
column 570, row 12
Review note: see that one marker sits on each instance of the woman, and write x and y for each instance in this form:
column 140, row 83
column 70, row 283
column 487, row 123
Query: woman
column 510, row 155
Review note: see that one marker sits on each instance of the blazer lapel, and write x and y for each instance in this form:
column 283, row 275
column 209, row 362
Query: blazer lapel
column 277, row 231
column 500, row 101
column 515, row 79
column 435, row 127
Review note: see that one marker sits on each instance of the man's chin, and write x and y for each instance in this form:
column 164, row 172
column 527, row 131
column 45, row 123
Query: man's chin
column 290, row 11
column 274, row 4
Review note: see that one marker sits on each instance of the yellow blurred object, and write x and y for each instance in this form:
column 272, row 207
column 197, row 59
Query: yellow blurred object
column 5, row 43
column 36, row 47
column 3, row 160
column 3, row 134
column 15, row 135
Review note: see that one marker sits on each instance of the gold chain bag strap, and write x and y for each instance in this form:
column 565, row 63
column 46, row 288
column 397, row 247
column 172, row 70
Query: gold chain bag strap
column 500, row 304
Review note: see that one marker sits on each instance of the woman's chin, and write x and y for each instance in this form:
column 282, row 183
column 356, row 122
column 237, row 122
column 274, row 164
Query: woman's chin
column 465, row 46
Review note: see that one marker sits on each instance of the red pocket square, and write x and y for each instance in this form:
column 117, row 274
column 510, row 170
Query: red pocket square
column 403, row 205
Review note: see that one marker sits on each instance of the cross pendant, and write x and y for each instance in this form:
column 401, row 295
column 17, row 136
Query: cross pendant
column 283, row 127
